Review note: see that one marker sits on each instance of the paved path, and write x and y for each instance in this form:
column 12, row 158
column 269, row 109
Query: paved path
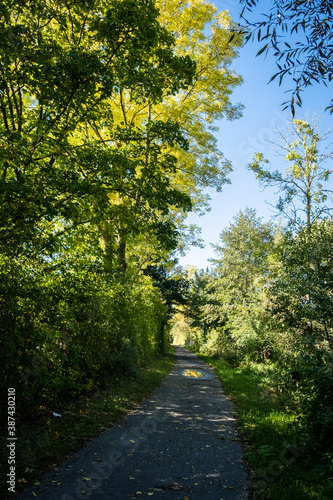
column 180, row 444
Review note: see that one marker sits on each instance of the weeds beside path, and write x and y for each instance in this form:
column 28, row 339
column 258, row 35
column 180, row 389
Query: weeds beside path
column 45, row 440
column 282, row 467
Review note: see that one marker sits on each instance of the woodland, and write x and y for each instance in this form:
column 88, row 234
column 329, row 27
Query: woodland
column 107, row 142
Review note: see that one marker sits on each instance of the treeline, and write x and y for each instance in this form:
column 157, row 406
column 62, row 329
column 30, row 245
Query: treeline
column 268, row 298
column 105, row 145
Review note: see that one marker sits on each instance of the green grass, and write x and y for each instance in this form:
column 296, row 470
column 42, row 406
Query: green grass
column 281, row 466
column 48, row 440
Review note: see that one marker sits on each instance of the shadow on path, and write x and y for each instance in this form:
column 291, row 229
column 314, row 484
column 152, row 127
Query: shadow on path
column 180, row 444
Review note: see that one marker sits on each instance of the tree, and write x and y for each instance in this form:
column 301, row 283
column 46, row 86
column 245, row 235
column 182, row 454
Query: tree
column 68, row 169
column 301, row 306
column 209, row 38
column 301, row 186
column 204, row 308
column 61, row 64
column 202, row 35
column 301, row 293
column 241, row 276
column 300, row 35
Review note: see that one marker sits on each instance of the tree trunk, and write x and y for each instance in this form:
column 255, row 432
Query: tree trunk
column 121, row 250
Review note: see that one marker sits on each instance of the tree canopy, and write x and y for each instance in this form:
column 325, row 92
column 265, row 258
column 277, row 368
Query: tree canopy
column 106, row 143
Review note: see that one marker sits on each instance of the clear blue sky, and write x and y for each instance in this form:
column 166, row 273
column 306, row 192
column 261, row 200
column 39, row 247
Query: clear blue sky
column 240, row 139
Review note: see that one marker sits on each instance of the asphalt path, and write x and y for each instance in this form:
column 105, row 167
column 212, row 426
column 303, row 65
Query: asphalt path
column 180, row 444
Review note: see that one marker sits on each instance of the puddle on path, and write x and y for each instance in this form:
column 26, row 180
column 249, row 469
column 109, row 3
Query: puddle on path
column 193, row 373
column 196, row 374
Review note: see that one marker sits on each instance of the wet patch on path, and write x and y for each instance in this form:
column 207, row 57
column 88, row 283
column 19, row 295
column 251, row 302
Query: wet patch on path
column 196, row 374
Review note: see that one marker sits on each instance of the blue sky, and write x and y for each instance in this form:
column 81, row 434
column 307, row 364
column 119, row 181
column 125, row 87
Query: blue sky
column 240, row 139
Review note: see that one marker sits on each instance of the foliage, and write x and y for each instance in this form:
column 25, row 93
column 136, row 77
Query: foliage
column 299, row 33
column 66, row 325
column 93, row 189
column 272, row 292
column 301, row 184
column 240, row 281
column 282, row 465
column 302, row 291
column 64, row 157
column 208, row 37
column 46, row 440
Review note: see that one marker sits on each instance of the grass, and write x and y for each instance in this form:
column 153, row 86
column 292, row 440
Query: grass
column 281, row 466
column 49, row 440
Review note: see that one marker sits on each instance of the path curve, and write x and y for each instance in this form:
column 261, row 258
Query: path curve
column 181, row 444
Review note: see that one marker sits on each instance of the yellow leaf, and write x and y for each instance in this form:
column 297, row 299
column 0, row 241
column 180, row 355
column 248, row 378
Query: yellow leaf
column 86, row 479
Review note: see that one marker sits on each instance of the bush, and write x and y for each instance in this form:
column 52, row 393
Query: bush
column 68, row 326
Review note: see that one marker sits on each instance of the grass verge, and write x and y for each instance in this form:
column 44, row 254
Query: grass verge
column 49, row 440
column 281, row 466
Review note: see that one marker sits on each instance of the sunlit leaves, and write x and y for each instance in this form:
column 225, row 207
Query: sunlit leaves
column 300, row 186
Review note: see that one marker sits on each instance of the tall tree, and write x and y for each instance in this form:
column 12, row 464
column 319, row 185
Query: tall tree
column 242, row 273
column 301, row 186
column 203, row 35
column 208, row 37
column 60, row 66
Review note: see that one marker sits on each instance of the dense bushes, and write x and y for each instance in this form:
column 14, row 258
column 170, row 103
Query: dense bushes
column 269, row 300
column 69, row 326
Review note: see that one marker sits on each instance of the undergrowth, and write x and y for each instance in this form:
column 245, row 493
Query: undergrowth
column 282, row 465
column 46, row 440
